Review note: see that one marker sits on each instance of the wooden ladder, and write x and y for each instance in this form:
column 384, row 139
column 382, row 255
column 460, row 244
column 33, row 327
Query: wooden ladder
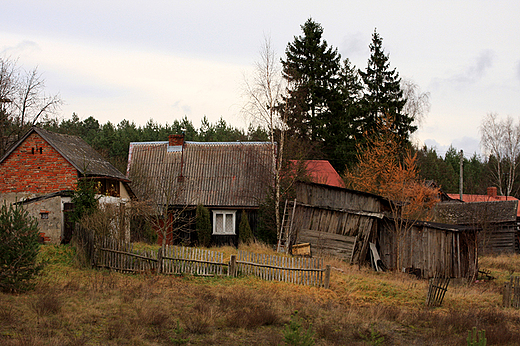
column 285, row 233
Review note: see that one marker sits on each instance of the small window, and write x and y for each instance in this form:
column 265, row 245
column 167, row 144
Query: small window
column 44, row 215
column 224, row 222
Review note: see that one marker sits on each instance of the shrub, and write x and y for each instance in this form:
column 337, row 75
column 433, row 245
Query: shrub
column 84, row 199
column 203, row 225
column 295, row 334
column 245, row 234
column 19, row 248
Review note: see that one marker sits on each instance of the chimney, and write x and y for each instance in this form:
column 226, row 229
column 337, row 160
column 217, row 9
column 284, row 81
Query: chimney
column 492, row 191
column 175, row 140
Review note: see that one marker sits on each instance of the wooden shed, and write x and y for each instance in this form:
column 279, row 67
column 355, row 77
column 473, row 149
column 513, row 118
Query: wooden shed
column 330, row 217
column 430, row 248
column 496, row 222
column 340, row 212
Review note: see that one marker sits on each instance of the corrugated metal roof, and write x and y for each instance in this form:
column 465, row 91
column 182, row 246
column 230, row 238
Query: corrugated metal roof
column 77, row 152
column 213, row 174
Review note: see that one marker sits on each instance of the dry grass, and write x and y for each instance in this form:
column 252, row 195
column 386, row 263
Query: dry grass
column 73, row 306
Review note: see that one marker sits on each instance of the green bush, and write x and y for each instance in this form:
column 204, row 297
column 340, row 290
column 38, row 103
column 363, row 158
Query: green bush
column 203, row 226
column 19, row 248
column 245, row 235
column 296, row 335
column 84, row 199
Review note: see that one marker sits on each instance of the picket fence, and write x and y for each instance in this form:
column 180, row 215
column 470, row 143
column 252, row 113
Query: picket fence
column 511, row 296
column 437, row 288
column 123, row 257
column 302, row 271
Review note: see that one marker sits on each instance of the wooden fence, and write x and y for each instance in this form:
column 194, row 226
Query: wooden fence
column 511, row 297
column 180, row 260
column 302, row 271
column 436, row 290
column 123, row 257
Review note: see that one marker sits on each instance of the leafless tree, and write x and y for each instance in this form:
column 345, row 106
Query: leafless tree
column 162, row 200
column 263, row 92
column 417, row 103
column 23, row 101
column 500, row 140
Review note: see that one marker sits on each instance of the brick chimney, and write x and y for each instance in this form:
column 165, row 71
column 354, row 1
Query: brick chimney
column 175, row 140
column 492, row 191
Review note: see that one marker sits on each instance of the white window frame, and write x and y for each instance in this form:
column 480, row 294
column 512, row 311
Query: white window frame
column 225, row 214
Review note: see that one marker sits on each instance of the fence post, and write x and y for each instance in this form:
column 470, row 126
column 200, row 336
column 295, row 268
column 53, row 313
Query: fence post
column 327, row 276
column 232, row 265
column 159, row 260
column 506, row 297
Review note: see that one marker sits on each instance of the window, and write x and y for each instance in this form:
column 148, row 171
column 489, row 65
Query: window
column 224, row 222
column 44, row 215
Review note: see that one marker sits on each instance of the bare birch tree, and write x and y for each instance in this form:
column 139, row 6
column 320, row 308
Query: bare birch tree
column 23, row 101
column 417, row 103
column 500, row 140
column 263, row 92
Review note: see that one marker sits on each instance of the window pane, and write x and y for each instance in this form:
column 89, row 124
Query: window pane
column 229, row 223
column 219, row 224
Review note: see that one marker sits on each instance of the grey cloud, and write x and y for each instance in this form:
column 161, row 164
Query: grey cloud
column 476, row 71
column 353, row 45
column 469, row 145
column 21, row 48
column 518, row 70
column 184, row 108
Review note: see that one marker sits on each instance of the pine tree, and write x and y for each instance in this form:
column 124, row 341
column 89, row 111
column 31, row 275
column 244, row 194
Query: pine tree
column 383, row 95
column 311, row 69
column 321, row 95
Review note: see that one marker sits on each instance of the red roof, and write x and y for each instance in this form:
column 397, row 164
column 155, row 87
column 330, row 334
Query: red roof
column 490, row 197
column 321, row 172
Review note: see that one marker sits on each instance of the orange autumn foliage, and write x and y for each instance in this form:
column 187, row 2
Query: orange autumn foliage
column 385, row 171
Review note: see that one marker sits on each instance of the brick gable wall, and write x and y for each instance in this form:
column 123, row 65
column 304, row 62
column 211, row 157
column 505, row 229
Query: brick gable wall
column 25, row 171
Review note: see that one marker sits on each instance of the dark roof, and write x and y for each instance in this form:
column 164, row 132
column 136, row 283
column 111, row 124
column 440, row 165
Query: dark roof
column 77, row 152
column 227, row 174
column 475, row 213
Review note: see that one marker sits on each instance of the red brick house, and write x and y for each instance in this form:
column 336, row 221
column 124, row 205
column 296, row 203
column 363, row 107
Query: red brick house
column 41, row 171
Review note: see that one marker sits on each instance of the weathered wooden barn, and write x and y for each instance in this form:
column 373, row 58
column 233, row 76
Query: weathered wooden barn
column 225, row 177
column 429, row 248
column 324, row 214
column 496, row 222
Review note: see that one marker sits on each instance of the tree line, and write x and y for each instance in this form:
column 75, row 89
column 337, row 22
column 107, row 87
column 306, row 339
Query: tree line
column 312, row 103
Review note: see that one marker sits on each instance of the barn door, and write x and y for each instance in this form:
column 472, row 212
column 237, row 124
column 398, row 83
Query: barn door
column 68, row 224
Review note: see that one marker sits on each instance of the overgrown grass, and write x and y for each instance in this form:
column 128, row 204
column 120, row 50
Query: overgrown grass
column 77, row 306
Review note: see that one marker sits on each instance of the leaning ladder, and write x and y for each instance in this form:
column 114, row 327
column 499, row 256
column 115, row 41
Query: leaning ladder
column 284, row 235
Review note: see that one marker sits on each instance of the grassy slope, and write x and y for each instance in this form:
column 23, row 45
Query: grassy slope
column 73, row 306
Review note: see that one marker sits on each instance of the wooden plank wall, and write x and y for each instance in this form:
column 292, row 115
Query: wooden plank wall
column 336, row 198
column 433, row 251
column 322, row 243
column 336, row 222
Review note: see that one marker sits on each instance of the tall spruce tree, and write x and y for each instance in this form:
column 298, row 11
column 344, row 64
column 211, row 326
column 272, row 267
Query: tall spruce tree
column 311, row 69
column 382, row 93
column 321, row 95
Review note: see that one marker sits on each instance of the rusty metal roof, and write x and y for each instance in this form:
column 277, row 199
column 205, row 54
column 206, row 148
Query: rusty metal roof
column 77, row 152
column 223, row 174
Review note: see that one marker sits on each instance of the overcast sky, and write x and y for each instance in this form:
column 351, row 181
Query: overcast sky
column 137, row 60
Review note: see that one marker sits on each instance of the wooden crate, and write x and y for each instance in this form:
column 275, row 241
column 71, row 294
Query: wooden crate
column 303, row 249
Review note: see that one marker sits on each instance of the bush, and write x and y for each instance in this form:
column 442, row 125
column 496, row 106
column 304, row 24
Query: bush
column 84, row 199
column 245, row 234
column 203, row 225
column 19, row 249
